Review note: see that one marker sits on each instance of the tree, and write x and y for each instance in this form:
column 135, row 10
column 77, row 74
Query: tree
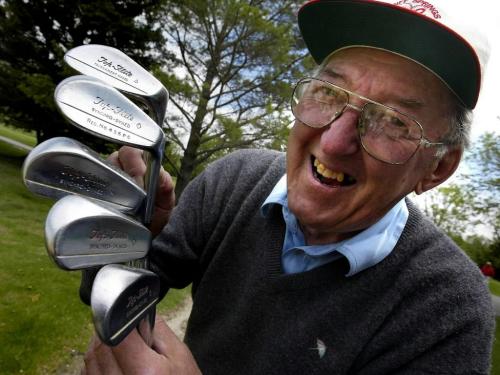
column 484, row 180
column 230, row 78
column 474, row 200
column 462, row 209
column 35, row 36
column 452, row 208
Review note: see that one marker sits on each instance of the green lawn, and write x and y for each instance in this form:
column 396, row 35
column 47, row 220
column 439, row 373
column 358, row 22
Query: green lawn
column 496, row 351
column 28, row 138
column 42, row 321
column 494, row 287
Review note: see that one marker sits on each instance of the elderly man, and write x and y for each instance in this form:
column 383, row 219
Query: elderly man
column 317, row 263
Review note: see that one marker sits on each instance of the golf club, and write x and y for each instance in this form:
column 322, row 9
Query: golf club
column 61, row 166
column 115, row 68
column 103, row 111
column 80, row 233
column 122, row 299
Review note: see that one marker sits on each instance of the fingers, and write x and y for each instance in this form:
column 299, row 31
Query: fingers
column 99, row 359
column 132, row 356
column 164, row 339
column 164, row 204
column 130, row 160
column 180, row 360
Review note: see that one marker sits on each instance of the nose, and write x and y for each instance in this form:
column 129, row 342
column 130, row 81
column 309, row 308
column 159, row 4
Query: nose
column 340, row 138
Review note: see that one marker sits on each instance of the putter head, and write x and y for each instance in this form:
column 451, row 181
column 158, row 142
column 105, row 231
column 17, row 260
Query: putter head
column 115, row 68
column 103, row 111
column 61, row 166
column 80, row 233
column 121, row 298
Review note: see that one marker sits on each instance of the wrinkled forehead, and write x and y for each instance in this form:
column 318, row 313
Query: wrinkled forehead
column 391, row 79
column 387, row 69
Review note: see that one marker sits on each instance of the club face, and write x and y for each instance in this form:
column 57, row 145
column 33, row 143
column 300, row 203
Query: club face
column 112, row 66
column 121, row 297
column 104, row 112
column 62, row 166
column 80, row 234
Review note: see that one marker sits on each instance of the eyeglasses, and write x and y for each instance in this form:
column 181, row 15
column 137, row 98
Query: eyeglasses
column 385, row 133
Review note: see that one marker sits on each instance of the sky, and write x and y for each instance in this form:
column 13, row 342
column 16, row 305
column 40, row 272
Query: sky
column 486, row 14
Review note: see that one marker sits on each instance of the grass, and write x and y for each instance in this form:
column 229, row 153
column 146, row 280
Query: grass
column 42, row 321
column 494, row 287
column 495, row 370
column 28, row 138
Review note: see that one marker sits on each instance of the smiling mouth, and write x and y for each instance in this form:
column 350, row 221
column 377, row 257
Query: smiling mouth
column 328, row 177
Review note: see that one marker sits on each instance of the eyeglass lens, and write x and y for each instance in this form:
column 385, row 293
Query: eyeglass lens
column 385, row 133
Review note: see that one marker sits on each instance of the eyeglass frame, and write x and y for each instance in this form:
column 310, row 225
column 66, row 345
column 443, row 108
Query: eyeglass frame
column 423, row 142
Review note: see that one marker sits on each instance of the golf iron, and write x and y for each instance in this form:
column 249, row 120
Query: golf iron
column 61, row 166
column 122, row 299
column 101, row 110
column 115, row 68
column 118, row 70
column 80, row 233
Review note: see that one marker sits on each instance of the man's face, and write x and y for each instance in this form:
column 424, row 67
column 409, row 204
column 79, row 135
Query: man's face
column 329, row 212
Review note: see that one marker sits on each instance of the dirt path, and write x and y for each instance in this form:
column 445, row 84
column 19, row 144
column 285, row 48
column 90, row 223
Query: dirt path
column 176, row 320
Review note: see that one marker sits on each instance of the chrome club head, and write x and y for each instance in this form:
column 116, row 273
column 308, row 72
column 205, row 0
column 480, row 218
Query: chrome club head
column 115, row 68
column 101, row 110
column 80, row 233
column 123, row 298
column 62, row 166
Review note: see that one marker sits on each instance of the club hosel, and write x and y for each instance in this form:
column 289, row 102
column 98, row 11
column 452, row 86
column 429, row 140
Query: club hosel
column 151, row 180
column 158, row 103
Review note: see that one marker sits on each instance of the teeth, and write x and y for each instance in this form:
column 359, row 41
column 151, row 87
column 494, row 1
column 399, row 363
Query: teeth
column 328, row 173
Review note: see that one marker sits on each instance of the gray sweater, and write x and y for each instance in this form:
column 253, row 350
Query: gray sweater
column 424, row 309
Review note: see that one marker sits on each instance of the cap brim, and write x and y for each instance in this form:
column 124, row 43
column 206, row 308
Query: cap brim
column 327, row 26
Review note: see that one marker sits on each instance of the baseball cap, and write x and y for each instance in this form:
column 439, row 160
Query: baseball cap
column 433, row 33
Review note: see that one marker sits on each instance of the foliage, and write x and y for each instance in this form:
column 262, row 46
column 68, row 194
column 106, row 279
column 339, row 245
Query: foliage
column 494, row 287
column 484, row 181
column 472, row 204
column 228, row 65
column 470, row 207
column 452, row 208
column 35, row 36
column 229, row 78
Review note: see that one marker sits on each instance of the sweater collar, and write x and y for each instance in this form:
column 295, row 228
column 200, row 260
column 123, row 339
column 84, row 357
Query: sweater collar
column 364, row 250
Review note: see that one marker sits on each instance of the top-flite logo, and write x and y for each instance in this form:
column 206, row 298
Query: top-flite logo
column 420, row 6
column 118, row 68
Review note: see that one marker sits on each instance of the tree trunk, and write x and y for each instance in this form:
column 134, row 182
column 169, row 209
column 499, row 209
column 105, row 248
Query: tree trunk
column 189, row 160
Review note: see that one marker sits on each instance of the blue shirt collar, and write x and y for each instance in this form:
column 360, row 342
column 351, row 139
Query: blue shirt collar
column 364, row 250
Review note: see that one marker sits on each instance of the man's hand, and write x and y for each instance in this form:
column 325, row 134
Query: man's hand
column 168, row 355
column 130, row 161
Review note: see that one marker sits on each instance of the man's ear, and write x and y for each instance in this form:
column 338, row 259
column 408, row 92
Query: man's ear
column 441, row 169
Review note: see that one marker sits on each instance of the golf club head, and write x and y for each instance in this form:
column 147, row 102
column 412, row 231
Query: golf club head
column 61, row 166
column 122, row 299
column 115, row 68
column 80, row 233
column 103, row 111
